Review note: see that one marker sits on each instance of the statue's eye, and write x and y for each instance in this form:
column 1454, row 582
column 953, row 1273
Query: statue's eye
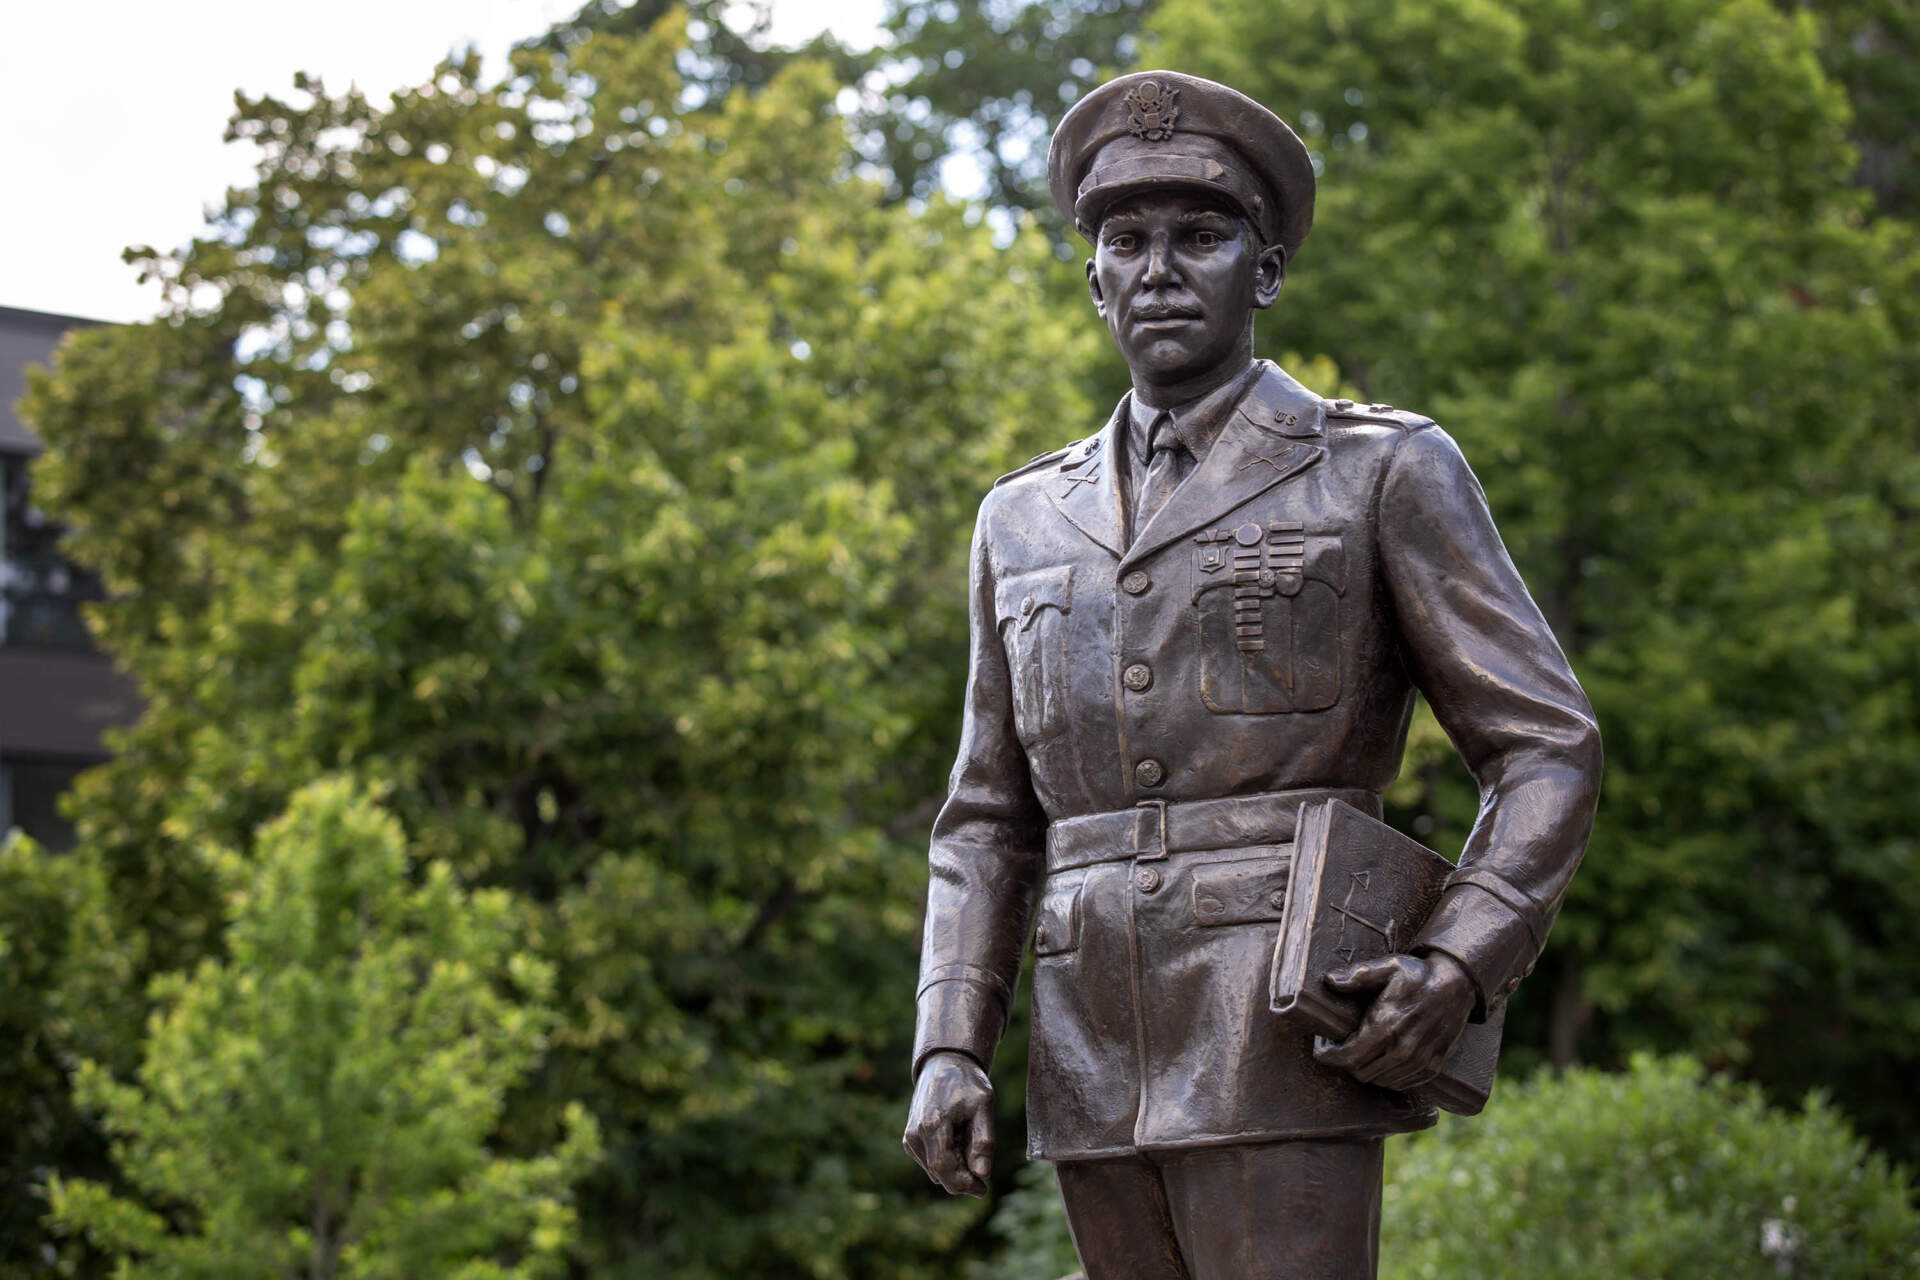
column 1122, row 242
column 1208, row 239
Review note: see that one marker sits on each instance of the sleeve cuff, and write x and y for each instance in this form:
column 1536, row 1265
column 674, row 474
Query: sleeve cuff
column 1493, row 942
column 961, row 1014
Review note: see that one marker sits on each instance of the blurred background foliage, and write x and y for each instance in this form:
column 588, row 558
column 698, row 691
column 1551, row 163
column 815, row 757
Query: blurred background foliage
column 582, row 466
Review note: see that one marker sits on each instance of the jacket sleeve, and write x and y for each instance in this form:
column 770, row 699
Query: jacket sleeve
column 987, row 854
column 1479, row 649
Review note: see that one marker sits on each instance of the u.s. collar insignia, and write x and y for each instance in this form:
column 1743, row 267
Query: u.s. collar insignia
column 1151, row 112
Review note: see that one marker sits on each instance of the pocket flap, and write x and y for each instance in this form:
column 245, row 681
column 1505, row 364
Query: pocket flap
column 1058, row 927
column 1326, row 561
column 1023, row 596
column 1241, row 892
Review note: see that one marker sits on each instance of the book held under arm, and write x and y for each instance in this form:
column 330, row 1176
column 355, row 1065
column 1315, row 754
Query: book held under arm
column 1360, row 890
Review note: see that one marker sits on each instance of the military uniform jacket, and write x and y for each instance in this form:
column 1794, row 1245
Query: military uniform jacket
column 1264, row 633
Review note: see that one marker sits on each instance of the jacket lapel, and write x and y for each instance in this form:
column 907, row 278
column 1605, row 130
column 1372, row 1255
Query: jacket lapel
column 1086, row 488
column 1277, row 431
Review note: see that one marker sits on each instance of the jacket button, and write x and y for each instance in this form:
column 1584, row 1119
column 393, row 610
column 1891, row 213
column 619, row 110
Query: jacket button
column 1026, row 606
column 1138, row 678
column 1136, row 582
column 1148, row 878
column 1277, row 899
column 1149, row 773
column 1210, row 907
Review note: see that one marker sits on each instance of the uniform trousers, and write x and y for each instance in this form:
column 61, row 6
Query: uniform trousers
column 1265, row 1211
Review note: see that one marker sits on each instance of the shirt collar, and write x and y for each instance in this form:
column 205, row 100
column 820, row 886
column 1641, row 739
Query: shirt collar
column 1197, row 422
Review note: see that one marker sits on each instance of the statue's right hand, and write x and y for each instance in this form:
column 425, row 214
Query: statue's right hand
column 950, row 1125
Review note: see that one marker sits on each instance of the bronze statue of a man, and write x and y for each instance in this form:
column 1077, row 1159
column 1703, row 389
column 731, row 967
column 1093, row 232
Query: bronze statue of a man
column 1184, row 627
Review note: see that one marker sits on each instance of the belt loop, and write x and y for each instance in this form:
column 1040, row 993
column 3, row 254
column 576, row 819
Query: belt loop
column 1153, row 847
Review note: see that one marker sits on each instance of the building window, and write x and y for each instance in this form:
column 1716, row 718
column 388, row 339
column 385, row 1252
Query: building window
column 40, row 593
column 30, row 794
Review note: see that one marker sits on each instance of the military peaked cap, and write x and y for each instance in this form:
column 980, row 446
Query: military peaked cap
column 1163, row 128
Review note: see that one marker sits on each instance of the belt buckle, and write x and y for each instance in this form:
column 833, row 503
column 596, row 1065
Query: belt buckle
column 1156, row 835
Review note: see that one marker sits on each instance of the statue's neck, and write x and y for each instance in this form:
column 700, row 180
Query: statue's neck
column 1173, row 394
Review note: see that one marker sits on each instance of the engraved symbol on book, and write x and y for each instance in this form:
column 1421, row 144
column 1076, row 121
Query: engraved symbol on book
column 1360, row 880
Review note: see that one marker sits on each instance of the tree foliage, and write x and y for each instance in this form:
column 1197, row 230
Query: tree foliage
column 590, row 469
column 985, row 81
column 1659, row 1170
column 1872, row 48
column 317, row 1103
column 56, row 964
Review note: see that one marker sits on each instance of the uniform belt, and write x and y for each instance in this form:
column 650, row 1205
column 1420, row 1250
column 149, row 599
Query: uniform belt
column 1157, row 828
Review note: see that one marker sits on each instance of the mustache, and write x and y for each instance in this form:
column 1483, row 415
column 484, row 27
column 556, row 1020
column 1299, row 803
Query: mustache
column 1167, row 311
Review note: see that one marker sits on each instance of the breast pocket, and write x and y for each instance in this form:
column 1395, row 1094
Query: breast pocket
column 1032, row 609
column 1268, row 598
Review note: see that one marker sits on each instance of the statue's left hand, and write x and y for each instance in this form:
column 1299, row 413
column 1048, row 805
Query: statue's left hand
column 1411, row 1026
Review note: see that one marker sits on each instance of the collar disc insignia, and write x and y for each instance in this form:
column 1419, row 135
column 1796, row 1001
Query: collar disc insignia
column 1151, row 110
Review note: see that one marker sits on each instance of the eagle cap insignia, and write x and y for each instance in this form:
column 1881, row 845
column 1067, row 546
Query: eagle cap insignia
column 1151, row 110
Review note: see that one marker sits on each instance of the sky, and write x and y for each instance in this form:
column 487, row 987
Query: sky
column 111, row 112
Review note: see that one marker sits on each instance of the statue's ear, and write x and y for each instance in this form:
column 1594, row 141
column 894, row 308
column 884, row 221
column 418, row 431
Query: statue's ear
column 1270, row 272
column 1093, row 290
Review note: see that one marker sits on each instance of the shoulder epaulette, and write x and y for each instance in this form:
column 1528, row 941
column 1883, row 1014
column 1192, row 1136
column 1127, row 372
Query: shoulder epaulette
column 1405, row 419
column 1070, row 454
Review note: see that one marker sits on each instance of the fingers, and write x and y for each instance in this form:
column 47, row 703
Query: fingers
column 943, row 1158
column 933, row 1149
column 1361, row 1052
column 1388, row 1052
column 962, row 1172
column 950, row 1128
column 980, row 1145
column 1408, row 1031
column 1368, row 975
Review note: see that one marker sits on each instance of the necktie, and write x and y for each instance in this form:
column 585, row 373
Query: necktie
column 1167, row 466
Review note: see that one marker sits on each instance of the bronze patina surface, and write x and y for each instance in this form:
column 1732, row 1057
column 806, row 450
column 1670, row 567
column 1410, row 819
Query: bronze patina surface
column 1216, row 608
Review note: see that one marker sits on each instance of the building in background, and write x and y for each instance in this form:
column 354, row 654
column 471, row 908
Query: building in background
column 57, row 692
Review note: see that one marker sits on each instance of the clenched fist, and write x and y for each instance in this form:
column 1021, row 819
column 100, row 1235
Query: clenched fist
column 950, row 1125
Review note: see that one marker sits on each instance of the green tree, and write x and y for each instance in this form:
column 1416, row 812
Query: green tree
column 592, row 470
column 1872, row 47
column 1614, row 246
column 1659, row 1170
column 57, row 963
column 986, row 81
column 319, row 1102
column 728, row 41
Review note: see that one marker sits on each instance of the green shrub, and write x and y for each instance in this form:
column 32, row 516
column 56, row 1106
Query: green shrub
column 1660, row 1170
column 1032, row 1229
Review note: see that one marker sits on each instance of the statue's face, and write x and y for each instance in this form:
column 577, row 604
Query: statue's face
column 1176, row 275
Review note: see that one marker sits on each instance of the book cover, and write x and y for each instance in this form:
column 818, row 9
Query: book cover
column 1360, row 890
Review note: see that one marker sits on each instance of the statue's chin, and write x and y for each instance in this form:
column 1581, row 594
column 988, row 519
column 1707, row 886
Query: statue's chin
column 1168, row 358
